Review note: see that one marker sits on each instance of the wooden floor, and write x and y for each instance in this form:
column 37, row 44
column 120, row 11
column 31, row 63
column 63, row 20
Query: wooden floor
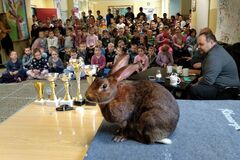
column 40, row 133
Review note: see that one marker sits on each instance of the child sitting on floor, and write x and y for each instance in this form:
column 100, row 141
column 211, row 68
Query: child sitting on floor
column 27, row 58
column 142, row 58
column 69, row 69
column 39, row 68
column 55, row 64
column 14, row 71
column 164, row 57
column 99, row 60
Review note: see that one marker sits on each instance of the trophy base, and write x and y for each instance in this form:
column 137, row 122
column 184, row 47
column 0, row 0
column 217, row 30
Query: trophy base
column 79, row 103
column 52, row 103
column 39, row 102
column 90, row 103
column 68, row 102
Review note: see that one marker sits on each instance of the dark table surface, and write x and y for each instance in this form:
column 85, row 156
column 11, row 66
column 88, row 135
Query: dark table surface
column 165, row 81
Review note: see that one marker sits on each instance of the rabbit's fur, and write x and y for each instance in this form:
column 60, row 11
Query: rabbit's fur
column 145, row 111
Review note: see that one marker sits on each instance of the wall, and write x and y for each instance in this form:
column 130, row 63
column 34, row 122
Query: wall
column 200, row 16
column 228, row 22
column 42, row 3
column 20, row 45
column 213, row 15
column 175, row 7
column 185, row 6
column 103, row 5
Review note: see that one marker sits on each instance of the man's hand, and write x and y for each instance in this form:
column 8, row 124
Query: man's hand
column 200, row 78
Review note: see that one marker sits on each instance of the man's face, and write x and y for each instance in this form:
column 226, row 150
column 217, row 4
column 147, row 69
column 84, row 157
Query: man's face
column 204, row 45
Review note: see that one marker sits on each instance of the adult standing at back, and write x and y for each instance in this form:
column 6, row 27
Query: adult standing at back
column 141, row 13
column 108, row 17
column 129, row 15
column 218, row 68
column 5, row 39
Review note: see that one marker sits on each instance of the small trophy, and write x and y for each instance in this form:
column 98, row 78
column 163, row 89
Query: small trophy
column 53, row 100
column 90, row 71
column 65, row 78
column 39, row 86
column 77, row 67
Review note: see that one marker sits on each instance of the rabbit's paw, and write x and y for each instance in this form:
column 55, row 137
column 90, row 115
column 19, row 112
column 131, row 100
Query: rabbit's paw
column 164, row 141
column 119, row 138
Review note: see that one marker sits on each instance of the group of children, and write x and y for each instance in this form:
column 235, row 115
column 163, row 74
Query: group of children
column 35, row 63
column 151, row 43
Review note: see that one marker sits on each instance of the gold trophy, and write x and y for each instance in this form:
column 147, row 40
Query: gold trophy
column 77, row 65
column 53, row 100
column 90, row 71
column 65, row 78
column 39, row 86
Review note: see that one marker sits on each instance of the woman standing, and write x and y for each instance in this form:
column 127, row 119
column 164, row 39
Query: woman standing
column 6, row 41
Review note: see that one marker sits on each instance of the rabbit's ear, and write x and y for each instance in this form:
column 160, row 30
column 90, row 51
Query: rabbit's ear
column 120, row 63
column 126, row 71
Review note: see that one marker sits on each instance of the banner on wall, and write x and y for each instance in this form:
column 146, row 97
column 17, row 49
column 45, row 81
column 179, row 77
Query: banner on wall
column 43, row 13
column 17, row 18
column 149, row 13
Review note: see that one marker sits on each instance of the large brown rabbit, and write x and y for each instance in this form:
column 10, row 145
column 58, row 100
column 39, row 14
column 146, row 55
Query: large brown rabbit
column 144, row 110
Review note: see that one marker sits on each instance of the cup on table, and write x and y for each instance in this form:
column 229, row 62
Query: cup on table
column 185, row 72
column 169, row 69
column 174, row 80
column 179, row 69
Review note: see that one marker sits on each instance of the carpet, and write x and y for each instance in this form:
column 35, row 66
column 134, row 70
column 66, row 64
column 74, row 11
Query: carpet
column 207, row 130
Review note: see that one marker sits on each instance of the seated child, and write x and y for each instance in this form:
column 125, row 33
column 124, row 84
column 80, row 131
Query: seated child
column 69, row 69
column 82, row 52
column 14, row 71
column 110, row 55
column 55, row 64
column 99, row 44
column 152, row 56
column 27, row 58
column 164, row 57
column 39, row 68
column 142, row 58
column 67, row 56
column 43, row 53
column 99, row 60
column 121, row 59
column 105, row 38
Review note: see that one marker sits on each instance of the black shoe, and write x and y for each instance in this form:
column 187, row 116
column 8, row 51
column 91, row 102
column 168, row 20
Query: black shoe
column 64, row 107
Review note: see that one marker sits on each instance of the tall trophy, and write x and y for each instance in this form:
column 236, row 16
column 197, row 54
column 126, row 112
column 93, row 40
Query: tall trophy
column 67, row 99
column 39, row 86
column 77, row 65
column 52, row 99
column 90, row 71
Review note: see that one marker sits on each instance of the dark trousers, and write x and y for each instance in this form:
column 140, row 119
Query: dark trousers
column 8, row 78
column 56, row 70
column 204, row 92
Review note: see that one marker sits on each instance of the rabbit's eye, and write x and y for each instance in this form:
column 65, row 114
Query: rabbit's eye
column 104, row 86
